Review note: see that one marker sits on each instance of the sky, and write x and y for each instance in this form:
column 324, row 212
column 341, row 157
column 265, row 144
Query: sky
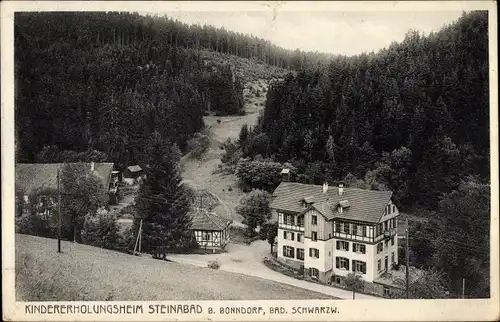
column 337, row 32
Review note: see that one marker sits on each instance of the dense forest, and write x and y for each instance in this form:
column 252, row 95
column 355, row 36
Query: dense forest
column 105, row 81
column 413, row 118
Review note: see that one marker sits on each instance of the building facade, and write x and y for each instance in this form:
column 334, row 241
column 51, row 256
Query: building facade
column 40, row 179
column 210, row 230
column 331, row 232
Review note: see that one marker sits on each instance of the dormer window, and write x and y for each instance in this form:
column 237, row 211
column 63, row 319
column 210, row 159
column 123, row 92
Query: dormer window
column 307, row 201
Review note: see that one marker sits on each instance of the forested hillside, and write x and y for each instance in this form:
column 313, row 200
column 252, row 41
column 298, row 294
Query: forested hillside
column 105, row 81
column 413, row 118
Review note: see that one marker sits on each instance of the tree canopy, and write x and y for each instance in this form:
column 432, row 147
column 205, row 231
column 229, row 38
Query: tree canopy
column 416, row 113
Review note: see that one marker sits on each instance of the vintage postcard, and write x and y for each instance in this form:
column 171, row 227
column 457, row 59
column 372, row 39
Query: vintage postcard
column 249, row 161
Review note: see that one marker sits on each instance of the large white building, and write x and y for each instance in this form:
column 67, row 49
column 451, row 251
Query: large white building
column 332, row 231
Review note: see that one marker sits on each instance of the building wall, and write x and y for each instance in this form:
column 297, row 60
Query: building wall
column 292, row 243
column 323, row 227
column 326, row 244
column 368, row 258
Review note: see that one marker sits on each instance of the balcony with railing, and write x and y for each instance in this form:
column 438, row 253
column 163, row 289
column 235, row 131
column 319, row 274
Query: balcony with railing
column 386, row 234
column 292, row 223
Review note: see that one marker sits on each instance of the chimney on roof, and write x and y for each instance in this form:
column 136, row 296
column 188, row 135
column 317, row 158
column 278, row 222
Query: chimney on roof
column 92, row 166
column 285, row 174
column 325, row 187
column 341, row 189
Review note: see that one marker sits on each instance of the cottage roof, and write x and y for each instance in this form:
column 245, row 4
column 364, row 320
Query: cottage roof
column 31, row 176
column 364, row 205
column 203, row 220
column 134, row 168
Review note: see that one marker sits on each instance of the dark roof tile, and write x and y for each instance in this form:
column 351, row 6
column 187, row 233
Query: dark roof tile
column 31, row 176
column 203, row 220
column 364, row 205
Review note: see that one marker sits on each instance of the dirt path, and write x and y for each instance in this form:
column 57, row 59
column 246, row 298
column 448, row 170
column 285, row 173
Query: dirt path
column 203, row 174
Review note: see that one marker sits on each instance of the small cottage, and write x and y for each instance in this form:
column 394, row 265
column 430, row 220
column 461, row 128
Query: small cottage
column 210, row 230
column 31, row 177
column 132, row 174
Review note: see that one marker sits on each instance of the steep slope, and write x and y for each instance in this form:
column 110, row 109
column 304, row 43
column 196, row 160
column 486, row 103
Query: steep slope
column 87, row 273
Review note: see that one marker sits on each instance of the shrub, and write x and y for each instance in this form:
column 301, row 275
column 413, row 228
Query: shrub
column 198, row 145
column 214, row 264
column 101, row 230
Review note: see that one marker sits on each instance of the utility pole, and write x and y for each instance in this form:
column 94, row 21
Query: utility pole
column 58, row 212
column 407, row 260
column 463, row 288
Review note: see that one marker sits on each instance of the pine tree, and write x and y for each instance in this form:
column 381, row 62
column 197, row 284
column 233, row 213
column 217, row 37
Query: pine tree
column 164, row 201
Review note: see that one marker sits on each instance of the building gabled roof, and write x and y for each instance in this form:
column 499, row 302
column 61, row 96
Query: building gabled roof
column 134, row 168
column 31, row 176
column 203, row 220
column 364, row 205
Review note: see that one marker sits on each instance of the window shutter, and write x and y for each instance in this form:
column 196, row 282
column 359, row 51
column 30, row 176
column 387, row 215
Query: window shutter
column 310, row 252
column 353, row 265
column 292, row 252
column 364, row 268
column 347, row 246
column 337, row 264
column 347, row 264
column 338, row 244
column 284, row 250
column 293, row 236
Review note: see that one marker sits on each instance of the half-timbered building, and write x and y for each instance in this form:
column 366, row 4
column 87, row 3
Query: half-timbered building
column 210, row 230
column 331, row 232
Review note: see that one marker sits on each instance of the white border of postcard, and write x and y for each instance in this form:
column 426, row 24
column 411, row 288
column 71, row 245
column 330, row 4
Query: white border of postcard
column 365, row 310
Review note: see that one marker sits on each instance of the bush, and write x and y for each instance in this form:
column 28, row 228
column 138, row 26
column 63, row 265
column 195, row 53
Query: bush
column 198, row 145
column 34, row 224
column 101, row 230
column 214, row 264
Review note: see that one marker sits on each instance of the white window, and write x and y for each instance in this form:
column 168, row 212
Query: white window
column 300, row 253
column 359, row 267
column 379, row 265
column 314, row 272
column 392, row 258
column 300, row 238
column 300, row 221
column 314, row 236
column 292, row 235
column 359, row 248
column 387, row 291
column 342, row 245
column 342, row 263
column 346, row 228
column 285, row 235
column 313, row 252
column 207, row 236
column 314, row 220
column 380, row 247
column 289, row 219
column 392, row 241
column 288, row 251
